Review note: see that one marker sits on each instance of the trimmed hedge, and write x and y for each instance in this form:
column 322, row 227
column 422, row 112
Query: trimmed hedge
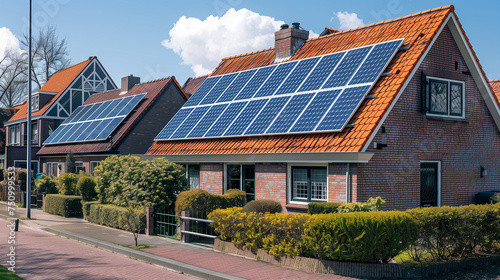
column 359, row 237
column 280, row 234
column 456, row 232
column 263, row 206
column 109, row 215
column 322, row 207
column 63, row 205
column 199, row 200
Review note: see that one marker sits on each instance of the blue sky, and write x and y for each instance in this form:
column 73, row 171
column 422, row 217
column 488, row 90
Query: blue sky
column 127, row 36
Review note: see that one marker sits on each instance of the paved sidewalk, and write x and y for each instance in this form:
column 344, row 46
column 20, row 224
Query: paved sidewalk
column 193, row 260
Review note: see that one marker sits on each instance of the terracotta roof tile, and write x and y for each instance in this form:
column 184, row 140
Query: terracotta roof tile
column 495, row 86
column 418, row 30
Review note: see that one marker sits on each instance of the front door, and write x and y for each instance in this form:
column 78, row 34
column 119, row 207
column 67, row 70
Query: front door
column 429, row 184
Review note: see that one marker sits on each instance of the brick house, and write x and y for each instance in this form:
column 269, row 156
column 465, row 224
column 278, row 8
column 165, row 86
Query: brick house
column 142, row 110
column 426, row 134
column 65, row 91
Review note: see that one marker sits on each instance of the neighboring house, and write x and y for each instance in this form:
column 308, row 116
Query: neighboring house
column 117, row 122
column 5, row 115
column 426, row 133
column 495, row 85
column 65, row 91
column 192, row 84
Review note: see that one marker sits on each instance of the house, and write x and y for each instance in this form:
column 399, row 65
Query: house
column 424, row 132
column 117, row 122
column 5, row 115
column 192, row 84
column 65, row 91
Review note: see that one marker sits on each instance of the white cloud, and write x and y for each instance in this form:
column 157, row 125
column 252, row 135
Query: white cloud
column 8, row 42
column 312, row 34
column 202, row 44
column 348, row 20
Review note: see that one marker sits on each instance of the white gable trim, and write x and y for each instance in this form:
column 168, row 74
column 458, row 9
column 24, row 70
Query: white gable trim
column 368, row 143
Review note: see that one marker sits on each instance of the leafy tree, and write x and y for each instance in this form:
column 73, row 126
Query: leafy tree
column 132, row 219
column 70, row 163
column 66, row 184
column 86, row 188
column 46, row 184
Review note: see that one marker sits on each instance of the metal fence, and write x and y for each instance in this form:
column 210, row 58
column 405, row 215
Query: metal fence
column 167, row 225
column 192, row 227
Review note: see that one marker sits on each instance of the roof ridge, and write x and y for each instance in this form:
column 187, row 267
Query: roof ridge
column 245, row 54
column 72, row 66
column 495, row 81
column 148, row 82
column 450, row 7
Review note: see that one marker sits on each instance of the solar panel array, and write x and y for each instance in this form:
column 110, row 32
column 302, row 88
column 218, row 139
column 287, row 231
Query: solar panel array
column 308, row 95
column 94, row 121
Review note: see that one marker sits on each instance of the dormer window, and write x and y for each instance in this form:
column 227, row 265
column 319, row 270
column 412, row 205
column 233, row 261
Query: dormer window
column 446, row 97
column 35, row 102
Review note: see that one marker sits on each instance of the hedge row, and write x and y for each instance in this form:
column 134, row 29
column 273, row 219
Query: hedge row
column 109, row 215
column 201, row 201
column 63, row 205
column 360, row 237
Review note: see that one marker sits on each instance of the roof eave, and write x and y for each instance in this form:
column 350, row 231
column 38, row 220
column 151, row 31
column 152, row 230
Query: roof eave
column 319, row 157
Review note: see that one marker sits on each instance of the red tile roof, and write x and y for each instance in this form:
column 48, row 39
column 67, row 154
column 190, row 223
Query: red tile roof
column 192, row 84
column 153, row 89
column 58, row 82
column 495, row 86
column 418, row 30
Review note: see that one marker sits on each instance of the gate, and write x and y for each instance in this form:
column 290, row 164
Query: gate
column 190, row 227
column 167, row 225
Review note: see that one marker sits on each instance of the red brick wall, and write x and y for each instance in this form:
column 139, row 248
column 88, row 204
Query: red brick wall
column 462, row 146
column 337, row 182
column 270, row 182
column 211, row 177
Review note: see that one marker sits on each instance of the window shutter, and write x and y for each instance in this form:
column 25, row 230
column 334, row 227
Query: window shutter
column 424, row 93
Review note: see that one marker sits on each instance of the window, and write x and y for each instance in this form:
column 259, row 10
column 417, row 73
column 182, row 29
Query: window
column 14, row 135
column 93, row 165
column 309, row 184
column 242, row 177
column 79, row 166
column 193, row 172
column 53, row 124
column 446, row 97
column 34, row 134
column 52, row 169
column 35, row 103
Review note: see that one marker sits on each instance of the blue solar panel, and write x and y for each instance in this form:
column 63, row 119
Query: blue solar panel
column 80, row 132
column 190, row 122
column 218, row 89
column 315, row 111
column 297, row 76
column 275, row 80
column 255, row 82
column 236, row 86
column 174, row 123
column 308, row 95
column 210, row 117
column 290, row 113
column 107, row 107
column 101, row 125
column 112, row 124
column 347, row 68
column 247, row 115
column 226, row 119
column 66, row 133
column 343, row 109
column 76, row 114
column 267, row 115
column 319, row 75
column 131, row 105
column 92, row 125
column 375, row 63
column 202, row 91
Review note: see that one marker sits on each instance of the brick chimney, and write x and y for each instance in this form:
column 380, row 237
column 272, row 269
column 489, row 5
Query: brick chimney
column 288, row 40
column 129, row 81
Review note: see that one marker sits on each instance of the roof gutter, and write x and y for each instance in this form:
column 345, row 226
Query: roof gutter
column 325, row 157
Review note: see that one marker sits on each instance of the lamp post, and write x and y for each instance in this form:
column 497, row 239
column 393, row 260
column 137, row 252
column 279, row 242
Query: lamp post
column 28, row 129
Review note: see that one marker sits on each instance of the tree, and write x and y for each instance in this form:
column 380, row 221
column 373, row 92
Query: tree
column 132, row 219
column 49, row 54
column 13, row 78
column 70, row 163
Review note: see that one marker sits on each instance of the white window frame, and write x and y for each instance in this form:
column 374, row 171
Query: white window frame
column 93, row 167
column 289, row 181
column 56, row 164
column 16, row 131
column 35, row 138
column 448, row 96
column 35, row 102
column 438, row 180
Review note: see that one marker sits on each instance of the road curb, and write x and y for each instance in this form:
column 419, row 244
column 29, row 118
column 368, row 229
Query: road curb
column 146, row 257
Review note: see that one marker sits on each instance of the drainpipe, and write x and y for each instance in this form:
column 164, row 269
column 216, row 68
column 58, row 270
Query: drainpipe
column 347, row 185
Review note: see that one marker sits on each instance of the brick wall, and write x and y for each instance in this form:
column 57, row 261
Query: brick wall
column 270, row 182
column 211, row 177
column 462, row 146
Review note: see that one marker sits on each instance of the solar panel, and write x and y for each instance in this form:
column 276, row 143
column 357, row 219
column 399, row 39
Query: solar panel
column 301, row 96
column 94, row 121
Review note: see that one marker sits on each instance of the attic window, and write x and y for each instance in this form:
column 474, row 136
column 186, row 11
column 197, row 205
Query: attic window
column 35, row 103
column 446, row 97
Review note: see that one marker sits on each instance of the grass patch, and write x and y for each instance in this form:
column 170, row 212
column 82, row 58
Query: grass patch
column 6, row 274
column 137, row 247
column 405, row 258
column 26, row 218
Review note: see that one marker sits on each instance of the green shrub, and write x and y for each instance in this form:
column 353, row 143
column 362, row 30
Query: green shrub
column 66, row 183
column 373, row 204
column 198, row 200
column 263, row 206
column 46, row 184
column 456, row 232
column 63, row 205
column 280, row 234
column 109, row 215
column 359, row 237
column 86, row 188
column 322, row 207
column 496, row 198
column 70, row 163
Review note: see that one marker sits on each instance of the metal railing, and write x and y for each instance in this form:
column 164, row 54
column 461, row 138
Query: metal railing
column 190, row 227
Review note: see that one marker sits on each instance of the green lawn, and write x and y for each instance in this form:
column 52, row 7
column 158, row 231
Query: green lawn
column 5, row 274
